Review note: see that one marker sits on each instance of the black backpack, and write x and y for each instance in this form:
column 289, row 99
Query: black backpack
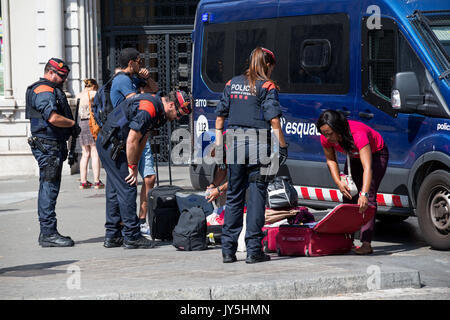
column 102, row 105
column 190, row 232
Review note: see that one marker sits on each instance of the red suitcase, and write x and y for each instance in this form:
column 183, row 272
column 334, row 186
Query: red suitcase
column 331, row 235
column 270, row 239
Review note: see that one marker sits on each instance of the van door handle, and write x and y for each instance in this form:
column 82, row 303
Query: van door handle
column 366, row 115
column 344, row 112
column 212, row 103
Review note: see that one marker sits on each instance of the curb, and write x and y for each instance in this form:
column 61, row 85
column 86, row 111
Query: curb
column 272, row 290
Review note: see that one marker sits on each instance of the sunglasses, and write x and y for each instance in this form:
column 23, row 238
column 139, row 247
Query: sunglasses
column 61, row 75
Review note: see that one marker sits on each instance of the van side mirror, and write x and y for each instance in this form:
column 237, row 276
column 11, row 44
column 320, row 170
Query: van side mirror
column 405, row 95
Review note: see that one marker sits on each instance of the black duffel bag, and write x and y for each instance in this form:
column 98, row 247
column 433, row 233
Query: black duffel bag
column 281, row 193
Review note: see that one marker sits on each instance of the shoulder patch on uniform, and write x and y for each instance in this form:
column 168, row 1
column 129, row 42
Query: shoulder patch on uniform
column 147, row 106
column 268, row 85
column 43, row 88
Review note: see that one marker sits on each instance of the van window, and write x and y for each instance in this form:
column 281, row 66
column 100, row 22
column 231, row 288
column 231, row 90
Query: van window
column 215, row 56
column 246, row 41
column 386, row 52
column 227, row 48
column 318, row 54
column 381, row 62
column 379, row 49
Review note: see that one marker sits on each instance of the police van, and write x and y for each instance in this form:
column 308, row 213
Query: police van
column 382, row 62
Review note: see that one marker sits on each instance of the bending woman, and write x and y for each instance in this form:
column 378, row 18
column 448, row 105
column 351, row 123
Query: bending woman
column 369, row 157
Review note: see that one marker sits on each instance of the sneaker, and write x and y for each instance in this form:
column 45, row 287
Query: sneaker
column 145, row 230
column 85, row 185
column 139, row 243
column 99, row 185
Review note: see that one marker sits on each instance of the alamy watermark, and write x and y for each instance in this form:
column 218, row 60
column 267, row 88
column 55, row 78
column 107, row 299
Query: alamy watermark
column 73, row 282
column 374, row 280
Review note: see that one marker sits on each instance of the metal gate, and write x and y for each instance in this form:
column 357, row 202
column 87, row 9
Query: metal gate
column 168, row 58
column 161, row 31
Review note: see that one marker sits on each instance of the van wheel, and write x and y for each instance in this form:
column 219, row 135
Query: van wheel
column 433, row 209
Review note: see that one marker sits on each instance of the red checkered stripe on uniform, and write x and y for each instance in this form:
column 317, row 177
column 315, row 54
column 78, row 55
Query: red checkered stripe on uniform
column 324, row 194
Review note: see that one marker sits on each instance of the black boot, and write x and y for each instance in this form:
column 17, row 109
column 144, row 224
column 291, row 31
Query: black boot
column 139, row 243
column 229, row 258
column 257, row 258
column 113, row 242
column 55, row 240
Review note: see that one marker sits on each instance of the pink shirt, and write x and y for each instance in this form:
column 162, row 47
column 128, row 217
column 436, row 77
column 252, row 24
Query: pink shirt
column 362, row 136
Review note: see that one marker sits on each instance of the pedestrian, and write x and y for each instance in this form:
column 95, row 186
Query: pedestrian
column 131, row 79
column 369, row 157
column 120, row 145
column 88, row 148
column 249, row 101
column 52, row 124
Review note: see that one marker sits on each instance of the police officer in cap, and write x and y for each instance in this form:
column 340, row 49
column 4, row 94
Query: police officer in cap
column 250, row 103
column 52, row 124
column 120, row 144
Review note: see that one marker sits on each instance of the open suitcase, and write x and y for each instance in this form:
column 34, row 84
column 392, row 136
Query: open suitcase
column 270, row 239
column 331, row 235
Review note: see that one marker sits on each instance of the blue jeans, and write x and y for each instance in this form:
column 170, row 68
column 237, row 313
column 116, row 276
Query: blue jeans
column 50, row 167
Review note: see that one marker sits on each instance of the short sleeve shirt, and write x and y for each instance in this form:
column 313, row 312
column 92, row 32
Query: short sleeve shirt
column 362, row 136
column 122, row 85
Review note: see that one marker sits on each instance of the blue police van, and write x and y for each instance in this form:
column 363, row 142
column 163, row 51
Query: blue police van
column 382, row 62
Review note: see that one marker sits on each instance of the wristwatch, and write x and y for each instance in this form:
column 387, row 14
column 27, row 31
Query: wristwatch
column 365, row 194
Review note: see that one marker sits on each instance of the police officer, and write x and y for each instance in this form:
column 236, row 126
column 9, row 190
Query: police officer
column 52, row 124
column 120, row 144
column 249, row 101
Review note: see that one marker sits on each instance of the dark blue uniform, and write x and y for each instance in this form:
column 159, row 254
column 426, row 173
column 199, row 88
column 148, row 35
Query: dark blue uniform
column 49, row 146
column 142, row 113
column 246, row 110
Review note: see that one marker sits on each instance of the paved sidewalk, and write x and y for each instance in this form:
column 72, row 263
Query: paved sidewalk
column 90, row 271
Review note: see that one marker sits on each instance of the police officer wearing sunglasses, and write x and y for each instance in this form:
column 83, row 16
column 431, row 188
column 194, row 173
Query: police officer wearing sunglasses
column 120, row 144
column 52, row 124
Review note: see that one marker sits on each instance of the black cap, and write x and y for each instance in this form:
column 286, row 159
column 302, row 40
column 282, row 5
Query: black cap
column 126, row 55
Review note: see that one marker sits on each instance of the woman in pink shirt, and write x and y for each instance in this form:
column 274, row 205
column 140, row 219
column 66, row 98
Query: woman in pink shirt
column 369, row 157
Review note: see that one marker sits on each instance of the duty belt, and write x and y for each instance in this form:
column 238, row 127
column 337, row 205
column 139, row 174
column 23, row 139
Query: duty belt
column 54, row 143
column 37, row 142
column 117, row 145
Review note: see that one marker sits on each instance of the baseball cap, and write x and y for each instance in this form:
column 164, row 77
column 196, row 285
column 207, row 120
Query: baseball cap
column 59, row 66
column 184, row 102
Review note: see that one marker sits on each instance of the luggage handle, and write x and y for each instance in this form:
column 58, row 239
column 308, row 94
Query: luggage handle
column 293, row 239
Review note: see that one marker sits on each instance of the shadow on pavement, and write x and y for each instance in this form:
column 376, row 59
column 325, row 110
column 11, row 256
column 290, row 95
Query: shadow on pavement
column 33, row 270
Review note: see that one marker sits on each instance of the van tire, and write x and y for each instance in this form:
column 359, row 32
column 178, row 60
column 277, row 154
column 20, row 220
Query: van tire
column 433, row 209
